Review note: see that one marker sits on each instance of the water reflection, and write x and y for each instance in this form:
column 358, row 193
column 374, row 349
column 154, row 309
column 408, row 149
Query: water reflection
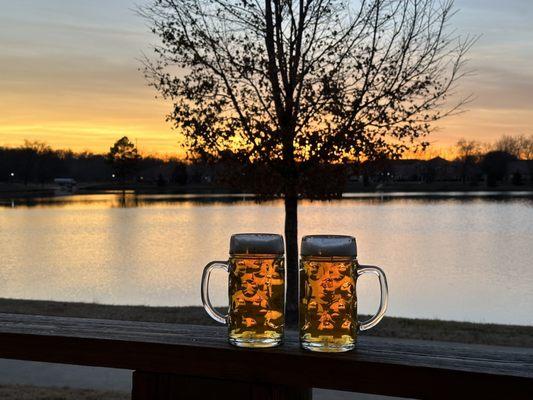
column 121, row 200
column 449, row 258
column 129, row 199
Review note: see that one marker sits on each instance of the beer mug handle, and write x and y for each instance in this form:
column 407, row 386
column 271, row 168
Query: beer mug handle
column 206, row 301
column 369, row 269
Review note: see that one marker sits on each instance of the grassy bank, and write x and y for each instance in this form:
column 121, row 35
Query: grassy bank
column 463, row 332
column 26, row 392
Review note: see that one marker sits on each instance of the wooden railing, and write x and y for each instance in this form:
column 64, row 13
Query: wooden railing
column 196, row 362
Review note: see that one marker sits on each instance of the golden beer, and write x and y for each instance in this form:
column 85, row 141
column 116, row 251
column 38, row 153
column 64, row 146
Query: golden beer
column 328, row 303
column 328, row 300
column 256, row 290
column 257, row 293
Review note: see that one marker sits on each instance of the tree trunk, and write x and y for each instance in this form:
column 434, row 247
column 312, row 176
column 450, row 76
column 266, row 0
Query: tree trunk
column 291, row 243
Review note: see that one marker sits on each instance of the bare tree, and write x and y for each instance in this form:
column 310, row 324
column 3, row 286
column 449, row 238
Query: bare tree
column 468, row 153
column 296, row 83
column 519, row 146
column 509, row 144
column 468, row 148
column 33, row 152
column 527, row 147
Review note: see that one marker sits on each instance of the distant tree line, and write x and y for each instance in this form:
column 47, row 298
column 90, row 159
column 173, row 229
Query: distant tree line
column 497, row 161
column 519, row 146
column 36, row 162
column 509, row 159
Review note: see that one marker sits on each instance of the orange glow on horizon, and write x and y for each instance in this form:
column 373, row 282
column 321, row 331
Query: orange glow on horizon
column 158, row 140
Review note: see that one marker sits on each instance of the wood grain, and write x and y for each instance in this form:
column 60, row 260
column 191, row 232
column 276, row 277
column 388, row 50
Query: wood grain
column 151, row 386
column 397, row 367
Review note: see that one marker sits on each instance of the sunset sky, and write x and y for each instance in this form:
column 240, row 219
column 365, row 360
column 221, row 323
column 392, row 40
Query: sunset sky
column 69, row 75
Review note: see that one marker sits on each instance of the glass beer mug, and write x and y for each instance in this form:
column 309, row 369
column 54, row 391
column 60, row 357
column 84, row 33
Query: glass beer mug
column 328, row 301
column 256, row 270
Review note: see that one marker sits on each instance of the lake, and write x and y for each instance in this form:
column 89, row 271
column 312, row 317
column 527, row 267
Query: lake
column 448, row 256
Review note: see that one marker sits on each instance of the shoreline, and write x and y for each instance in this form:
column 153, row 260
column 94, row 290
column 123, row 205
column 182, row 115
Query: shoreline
column 51, row 197
column 397, row 327
column 20, row 191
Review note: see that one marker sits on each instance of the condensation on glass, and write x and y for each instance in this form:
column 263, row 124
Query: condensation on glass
column 328, row 298
column 256, row 290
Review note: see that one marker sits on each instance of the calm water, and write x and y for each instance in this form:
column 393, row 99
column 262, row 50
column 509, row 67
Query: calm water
column 446, row 257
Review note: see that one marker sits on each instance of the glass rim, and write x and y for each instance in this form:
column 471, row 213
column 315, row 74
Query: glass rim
column 256, row 255
column 326, row 258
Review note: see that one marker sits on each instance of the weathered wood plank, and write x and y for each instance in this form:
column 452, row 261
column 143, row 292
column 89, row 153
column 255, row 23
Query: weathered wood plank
column 155, row 386
column 382, row 366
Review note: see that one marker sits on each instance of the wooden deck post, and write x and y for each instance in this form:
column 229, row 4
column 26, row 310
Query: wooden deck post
column 155, row 386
